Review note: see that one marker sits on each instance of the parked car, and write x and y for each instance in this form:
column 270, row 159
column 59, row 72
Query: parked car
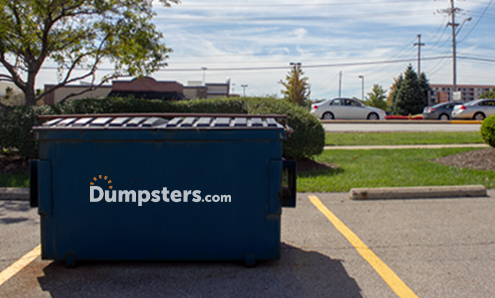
column 345, row 108
column 441, row 111
column 477, row 109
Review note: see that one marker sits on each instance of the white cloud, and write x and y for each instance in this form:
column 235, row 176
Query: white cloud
column 235, row 34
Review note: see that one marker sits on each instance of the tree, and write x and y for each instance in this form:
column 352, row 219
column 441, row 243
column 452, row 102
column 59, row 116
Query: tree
column 78, row 35
column 424, row 85
column 296, row 86
column 408, row 96
column 392, row 96
column 489, row 94
column 376, row 98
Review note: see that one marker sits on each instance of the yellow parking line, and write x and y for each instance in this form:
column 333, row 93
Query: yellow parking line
column 19, row 264
column 394, row 282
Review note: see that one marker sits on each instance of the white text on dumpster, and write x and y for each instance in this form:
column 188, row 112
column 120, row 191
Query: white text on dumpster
column 97, row 194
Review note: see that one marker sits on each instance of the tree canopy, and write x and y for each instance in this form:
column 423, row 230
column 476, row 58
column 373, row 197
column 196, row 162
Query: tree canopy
column 409, row 94
column 78, row 36
column 376, row 98
column 489, row 94
column 296, row 86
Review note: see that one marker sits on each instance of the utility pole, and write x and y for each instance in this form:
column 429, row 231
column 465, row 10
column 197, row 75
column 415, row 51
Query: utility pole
column 419, row 44
column 453, row 24
column 452, row 11
column 340, row 84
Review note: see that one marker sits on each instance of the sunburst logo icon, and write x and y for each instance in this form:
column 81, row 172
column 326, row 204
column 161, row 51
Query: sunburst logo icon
column 105, row 178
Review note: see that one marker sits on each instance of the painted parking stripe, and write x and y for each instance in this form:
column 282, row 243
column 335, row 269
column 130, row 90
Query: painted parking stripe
column 393, row 281
column 19, row 264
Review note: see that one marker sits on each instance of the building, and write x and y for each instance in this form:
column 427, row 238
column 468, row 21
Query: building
column 443, row 92
column 146, row 88
column 196, row 90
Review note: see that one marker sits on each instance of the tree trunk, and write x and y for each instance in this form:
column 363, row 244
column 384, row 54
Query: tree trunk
column 30, row 92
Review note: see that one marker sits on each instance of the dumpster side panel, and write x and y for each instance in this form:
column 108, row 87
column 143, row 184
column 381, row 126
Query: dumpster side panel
column 184, row 223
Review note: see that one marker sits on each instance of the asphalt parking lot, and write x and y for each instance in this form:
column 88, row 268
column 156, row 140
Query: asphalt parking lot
column 416, row 247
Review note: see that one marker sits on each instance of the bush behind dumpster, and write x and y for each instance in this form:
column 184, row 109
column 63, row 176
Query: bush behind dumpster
column 308, row 138
column 306, row 141
column 487, row 130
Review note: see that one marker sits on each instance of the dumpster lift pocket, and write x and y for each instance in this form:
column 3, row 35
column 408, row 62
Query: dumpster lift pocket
column 288, row 193
column 33, row 183
column 282, row 193
column 44, row 195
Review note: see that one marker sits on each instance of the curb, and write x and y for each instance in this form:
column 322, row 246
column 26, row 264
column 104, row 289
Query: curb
column 466, row 122
column 14, row 194
column 417, row 192
column 17, row 194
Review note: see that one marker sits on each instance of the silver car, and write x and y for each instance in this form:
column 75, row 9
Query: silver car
column 345, row 108
column 477, row 109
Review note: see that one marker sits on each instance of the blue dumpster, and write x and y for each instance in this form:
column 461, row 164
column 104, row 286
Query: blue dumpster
column 144, row 187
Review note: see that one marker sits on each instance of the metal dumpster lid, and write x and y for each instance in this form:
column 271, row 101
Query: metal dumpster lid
column 160, row 121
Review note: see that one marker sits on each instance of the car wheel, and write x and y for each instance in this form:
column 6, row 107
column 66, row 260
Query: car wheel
column 373, row 116
column 479, row 116
column 444, row 117
column 327, row 116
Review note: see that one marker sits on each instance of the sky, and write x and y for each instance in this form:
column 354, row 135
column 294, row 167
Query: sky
column 253, row 42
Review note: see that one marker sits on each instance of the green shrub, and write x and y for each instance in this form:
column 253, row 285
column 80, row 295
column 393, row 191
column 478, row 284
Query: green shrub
column 308, row 138
column 487, row 130
column 306, row 141
column 15, row 128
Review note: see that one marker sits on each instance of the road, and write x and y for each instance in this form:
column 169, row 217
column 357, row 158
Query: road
column 428, row 247
column 398, row 127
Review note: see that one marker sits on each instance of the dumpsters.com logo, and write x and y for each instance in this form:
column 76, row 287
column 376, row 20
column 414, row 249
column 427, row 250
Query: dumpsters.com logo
column 99, row 194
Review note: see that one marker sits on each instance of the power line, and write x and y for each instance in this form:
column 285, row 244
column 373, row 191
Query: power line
column 477, row 21
column 307, row 18
column 217, row 6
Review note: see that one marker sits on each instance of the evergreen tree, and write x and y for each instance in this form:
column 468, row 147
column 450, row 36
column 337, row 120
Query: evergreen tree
column 409, row 97
column 296, row 86
column 425, row 87
column 392, row 97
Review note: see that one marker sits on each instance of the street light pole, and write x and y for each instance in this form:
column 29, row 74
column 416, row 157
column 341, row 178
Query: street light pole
column 419, row 44
column 204, row 74
column 296, row 65
column 244, row 89
column 362, row 87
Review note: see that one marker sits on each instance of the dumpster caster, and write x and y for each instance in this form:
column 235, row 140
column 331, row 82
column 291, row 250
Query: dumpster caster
column 70, row 261
column 250, row 260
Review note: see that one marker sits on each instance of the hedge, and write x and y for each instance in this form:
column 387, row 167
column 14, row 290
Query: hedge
column 306, row 141
column 487, row 130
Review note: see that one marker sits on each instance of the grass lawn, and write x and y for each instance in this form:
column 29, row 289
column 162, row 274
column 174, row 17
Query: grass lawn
column 402, row 138
column 389, row 168
column 14, row 180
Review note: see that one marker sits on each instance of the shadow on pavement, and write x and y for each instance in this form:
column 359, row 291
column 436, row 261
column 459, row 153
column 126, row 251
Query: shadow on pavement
column 12, row 212
column 298, row 273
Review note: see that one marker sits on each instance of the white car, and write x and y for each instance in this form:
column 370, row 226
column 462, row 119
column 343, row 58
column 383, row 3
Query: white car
column 477, row 109
column 346, row 108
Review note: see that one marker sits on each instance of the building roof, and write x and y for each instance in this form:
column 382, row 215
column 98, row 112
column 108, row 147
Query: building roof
column 173, row 95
